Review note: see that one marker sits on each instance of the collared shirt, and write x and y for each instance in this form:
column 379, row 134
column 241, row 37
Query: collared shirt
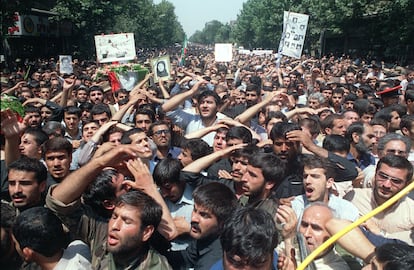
column 343, row 208
column 182, row 208
column 365, row 160
column 190, row 122
column 397, row 221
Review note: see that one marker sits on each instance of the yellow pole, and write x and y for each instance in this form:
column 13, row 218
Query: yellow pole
column 352, row 226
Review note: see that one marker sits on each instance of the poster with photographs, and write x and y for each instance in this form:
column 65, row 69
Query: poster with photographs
column 116, row 47
column 223, row 52
column 294, row 33
column 65, row 64
column 161, row 67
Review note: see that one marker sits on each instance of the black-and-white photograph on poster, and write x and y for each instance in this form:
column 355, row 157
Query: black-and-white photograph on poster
column 65, row 64
column 294, row 33
column 116, row 47
column 161, row 67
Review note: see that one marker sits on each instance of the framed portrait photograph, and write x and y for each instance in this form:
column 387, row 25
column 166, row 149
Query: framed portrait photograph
column 161, row 67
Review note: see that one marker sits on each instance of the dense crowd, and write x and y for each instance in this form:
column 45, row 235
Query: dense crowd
column 248, row 164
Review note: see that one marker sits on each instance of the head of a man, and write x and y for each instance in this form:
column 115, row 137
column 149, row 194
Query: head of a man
column 334, row 124
column 89, row 128
column 193, row 149
column 394, row 144
column 207, row 103
column 252, row 95
column 167, row 177
column 160, row 133
column 144, row 118
column 37, row 231
column 392, row 256
column 407, row 126
column 219, row 141
column 31, row 142
column 32, row 116
column 96, row 94
column 238, row 135
column 393, row 173
column 361, row 136
column 139, row 137
column 248, row 239
column 57, row 153
column 282, row 147
column 318, row 178
column 101, row 113
column 26, row 182
column 239, row 160
column 313, row 226
column 71, row 117
column 264, row 173
column 213, row 204
column 135, row 218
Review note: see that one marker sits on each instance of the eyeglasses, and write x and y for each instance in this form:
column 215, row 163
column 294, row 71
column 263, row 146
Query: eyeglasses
column 385, row 177
column 159, row 132
column 396, row 152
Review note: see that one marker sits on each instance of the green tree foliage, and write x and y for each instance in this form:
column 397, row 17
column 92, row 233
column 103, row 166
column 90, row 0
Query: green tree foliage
column 380, row 23
column 213, row 32
column 153, row 25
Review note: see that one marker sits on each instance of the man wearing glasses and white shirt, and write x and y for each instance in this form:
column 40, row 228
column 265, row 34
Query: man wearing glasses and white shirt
column 393, row 173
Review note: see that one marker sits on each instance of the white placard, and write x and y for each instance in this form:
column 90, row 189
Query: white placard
column 116, row 47
column 65, row 64
column 223, row 52
column 294, row 33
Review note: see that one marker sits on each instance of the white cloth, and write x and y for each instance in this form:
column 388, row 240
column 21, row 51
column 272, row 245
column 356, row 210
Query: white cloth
column 76, row 256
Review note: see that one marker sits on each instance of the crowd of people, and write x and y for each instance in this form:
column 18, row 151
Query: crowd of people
column 249, row 164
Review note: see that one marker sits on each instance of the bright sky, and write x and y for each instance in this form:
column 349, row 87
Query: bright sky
column 194, row 14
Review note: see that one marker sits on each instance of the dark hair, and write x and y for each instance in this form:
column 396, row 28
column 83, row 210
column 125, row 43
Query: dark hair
column 39, row 229
column 167, row 171
column 273, row 168
column 99, row 190
column 31, row 109
column 144, row 111
column 198, row 148
column 39, row 135
column 251, row 234
column 121, row 90
column 253, row 87
column 357, row 127
column 407, row 121
column 95, row 88
column 57, row 144
column 312, row 124
column 125, row 139
column 247, row 151
column 239, row 132
column 217, row 198
column 149, row 211
column 313, row 162
column 50, row 128
column 336, row 143
column 277, row 115
column 397, row 162
column 328, row 122
column 280, row 129
column 86, row 106
column 73, row 110
column 101, row 108
column 395, row 256
column 409, row 95
column 27, row 164
column 208, row 93
column 157, row 123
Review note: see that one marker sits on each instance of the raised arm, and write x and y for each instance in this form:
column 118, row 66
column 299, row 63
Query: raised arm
column 252, row 111
column 145, row 182
column 11, row 129
column 176, row 100
column 200, row 164
column 164, row 91
column 204, row 131
column 72, row 187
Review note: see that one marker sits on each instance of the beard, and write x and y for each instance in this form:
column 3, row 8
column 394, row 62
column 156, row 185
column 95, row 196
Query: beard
column 362, row 148
column 130, row 247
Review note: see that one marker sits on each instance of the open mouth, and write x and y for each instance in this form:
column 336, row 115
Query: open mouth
column 308, row 191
